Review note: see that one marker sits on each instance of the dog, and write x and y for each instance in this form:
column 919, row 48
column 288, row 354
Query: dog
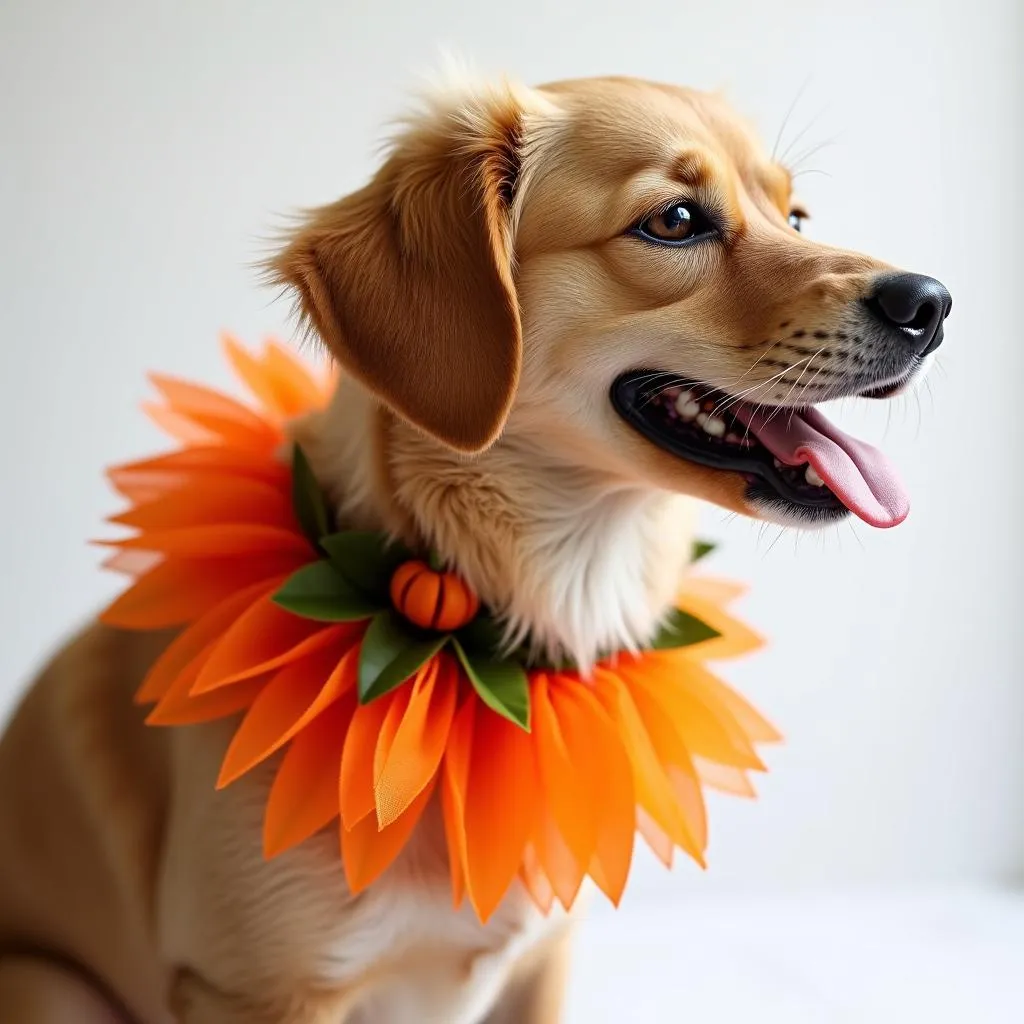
column 563, row 314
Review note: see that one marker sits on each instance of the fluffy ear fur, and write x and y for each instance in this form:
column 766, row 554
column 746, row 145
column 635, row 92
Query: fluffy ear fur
column 409, row 280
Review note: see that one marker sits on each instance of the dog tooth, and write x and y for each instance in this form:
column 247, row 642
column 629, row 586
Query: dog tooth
column 811, row 476
column 686, row 406
column 702, row 418
column 778, row 463
column 714, row 426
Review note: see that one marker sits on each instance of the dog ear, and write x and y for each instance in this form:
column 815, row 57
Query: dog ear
column 409, row 281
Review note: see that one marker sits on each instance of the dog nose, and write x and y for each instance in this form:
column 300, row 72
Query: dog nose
column 915, row 305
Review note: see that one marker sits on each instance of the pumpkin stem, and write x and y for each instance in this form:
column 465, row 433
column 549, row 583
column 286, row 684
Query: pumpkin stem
column 434, row 561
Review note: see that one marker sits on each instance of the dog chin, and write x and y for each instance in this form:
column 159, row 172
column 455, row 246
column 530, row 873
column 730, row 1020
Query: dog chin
column 781, row 513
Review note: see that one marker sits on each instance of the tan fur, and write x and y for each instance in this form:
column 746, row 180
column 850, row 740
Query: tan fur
column 480, row 294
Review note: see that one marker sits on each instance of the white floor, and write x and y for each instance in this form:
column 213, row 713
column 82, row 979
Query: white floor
column 923, row 958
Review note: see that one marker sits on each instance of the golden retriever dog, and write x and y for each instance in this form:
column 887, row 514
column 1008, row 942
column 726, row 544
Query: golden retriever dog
column 563, row 315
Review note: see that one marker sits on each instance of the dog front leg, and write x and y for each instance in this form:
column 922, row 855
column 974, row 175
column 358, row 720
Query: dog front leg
column 536, row 991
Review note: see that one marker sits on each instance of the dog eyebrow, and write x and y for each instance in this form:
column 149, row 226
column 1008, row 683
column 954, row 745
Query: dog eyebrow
column 691, row 169
column 777, row 184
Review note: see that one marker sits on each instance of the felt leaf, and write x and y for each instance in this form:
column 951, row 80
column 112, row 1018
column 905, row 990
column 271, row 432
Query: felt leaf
column 310, row 505
column 318, row 591
column 681, row 629
column 391, row 654
column 366, row 560
column 502, row 685
column 701, row 549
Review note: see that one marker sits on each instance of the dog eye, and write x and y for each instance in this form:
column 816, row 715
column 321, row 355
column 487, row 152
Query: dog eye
column 681, row 222
column 796, row 219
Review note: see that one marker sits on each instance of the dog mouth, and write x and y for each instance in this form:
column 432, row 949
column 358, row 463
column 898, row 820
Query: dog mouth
column 793, row 459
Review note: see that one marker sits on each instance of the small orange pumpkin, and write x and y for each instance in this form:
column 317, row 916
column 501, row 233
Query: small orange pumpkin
column 430, row 599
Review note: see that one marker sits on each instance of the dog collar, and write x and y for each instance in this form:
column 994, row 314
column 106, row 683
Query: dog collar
column 381, row 682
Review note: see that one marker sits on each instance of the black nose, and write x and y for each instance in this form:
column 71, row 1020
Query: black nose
column 914, row 304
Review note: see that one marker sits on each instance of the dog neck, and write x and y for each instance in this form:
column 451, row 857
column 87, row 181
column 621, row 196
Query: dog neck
column 574, row 563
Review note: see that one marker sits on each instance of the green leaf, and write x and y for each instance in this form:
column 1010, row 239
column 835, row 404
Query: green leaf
column 502, row 685
column 318, row 591
column 481, row 636
column 307, row 498
column 390, row 654
column 681, row 629
column 367, row 560
column 701, row 548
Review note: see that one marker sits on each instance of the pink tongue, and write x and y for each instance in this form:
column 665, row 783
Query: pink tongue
column 860, row 476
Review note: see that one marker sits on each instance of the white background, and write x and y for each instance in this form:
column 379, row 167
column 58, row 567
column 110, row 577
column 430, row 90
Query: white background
column 145, row 148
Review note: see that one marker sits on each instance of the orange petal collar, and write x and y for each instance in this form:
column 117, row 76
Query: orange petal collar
column 628, row 750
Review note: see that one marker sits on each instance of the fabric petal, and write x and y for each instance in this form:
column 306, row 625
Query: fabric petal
column 265, row 638
column 597, row 754
column 356, row 796
column 181, row 590
column 454, row 782
column 500, row 803
column 219, row 540
column 368, row 852
column 304, row 796
column 179, row 707
column 563, row 781
column 418, row 744
column 701, row 725
column 654, row 792
column 214, row 501
column 676, row 763
column 294, row 386
column 291, row 699
column 736, row 639
column 230, row 420
column 199, row 637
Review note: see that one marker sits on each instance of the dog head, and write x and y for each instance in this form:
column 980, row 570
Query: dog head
column 615, row 270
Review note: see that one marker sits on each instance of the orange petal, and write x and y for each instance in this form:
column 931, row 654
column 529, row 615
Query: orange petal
column 723, row 778
column 266, row 637
column 676, row 763
column 179, row 590
column 418, row 744
column 736, row 638
column 501, row 801
column 536, row 882
column 454, row 781
column 717, row 591
column 356, row 797
column 139, row 485
column 369, row 852
column 295, row 388
column 132, row 563
column 304, row 795
column 253, row 374
column 291, row 699
column 654, row 792
column 179, row 707
column 702, row 726
column 180, row 427
column 200, row 636
column 219, row 540
column 237, row 500
column 597, row 755
column 563, row 781
column 655, row 837
column 228, row 419
column 732, row 706
column 198, row 462
column 560, row 866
